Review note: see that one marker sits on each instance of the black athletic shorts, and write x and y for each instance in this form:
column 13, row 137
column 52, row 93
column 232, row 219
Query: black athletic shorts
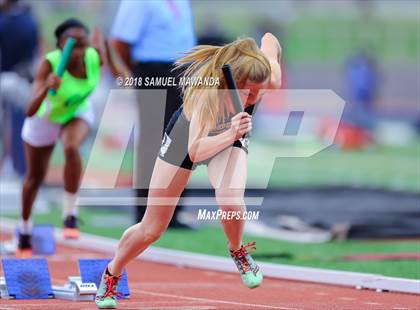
column 174, row 148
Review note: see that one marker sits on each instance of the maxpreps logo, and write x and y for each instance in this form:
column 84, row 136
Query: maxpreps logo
column 217, row 215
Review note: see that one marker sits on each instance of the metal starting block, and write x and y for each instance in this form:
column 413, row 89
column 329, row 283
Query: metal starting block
column 4, row 293
column 91, row 271
column 30, row 279
column 25, row 279
column 75, row 290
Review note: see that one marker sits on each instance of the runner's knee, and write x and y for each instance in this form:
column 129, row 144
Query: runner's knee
column 71, row 150
column 230, row 199
column 152, row 234
column 33, row 181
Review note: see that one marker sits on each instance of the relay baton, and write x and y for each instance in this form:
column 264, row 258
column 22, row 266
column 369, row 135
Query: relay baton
column 67, row 50
column 233, row 89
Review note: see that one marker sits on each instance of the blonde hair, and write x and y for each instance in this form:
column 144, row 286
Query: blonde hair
column 247, row 61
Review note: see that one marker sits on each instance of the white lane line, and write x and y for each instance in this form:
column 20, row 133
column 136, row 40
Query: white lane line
column 38, row 305
column 400, row 308
column 121, row 305
column 71, row 257
column 217, row 301
column 139, row 307
column 147, row 285
column 321, row 294
column 345, row 298
column 228, row 276
column 179, row 307
column 373, row 303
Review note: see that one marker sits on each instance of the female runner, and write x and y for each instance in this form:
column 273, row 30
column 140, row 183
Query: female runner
column 67, row 115
column 205, row 130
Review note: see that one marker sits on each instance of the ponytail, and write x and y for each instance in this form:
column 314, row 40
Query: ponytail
column 247, row 62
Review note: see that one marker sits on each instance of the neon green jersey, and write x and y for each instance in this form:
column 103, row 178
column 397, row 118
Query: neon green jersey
column 71, row 97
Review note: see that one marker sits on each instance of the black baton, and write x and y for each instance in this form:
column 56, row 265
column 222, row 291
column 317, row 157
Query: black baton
column 233, row 89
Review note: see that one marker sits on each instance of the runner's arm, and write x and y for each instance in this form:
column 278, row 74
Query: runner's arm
column 44, row 80
column 202, row 146
column 101, row 44
column 271, row 48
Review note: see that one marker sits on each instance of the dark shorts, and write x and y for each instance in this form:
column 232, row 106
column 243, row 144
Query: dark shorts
column 173, row 95
column 174, row 147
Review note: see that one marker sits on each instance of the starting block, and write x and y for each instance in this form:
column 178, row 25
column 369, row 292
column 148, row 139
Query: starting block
column 75, row 290
column 30, row 279
column 4, row 293
column 91, row 271
column 25, row 279
column 43, row 241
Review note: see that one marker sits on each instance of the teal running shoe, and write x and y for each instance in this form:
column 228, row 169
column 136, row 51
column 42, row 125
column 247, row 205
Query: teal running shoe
column 250, row 272
column 107, row 295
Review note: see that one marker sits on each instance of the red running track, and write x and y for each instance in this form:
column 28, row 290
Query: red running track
column 158, row 286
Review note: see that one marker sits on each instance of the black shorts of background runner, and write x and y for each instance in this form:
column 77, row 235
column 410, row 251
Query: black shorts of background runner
column 151, row 132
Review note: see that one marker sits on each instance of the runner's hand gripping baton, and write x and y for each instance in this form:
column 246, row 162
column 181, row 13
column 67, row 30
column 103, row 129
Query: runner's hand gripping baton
column 67, row 50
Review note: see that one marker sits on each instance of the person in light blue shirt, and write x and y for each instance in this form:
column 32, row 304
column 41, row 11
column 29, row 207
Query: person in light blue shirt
column 149, row 36
column 156, row 30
